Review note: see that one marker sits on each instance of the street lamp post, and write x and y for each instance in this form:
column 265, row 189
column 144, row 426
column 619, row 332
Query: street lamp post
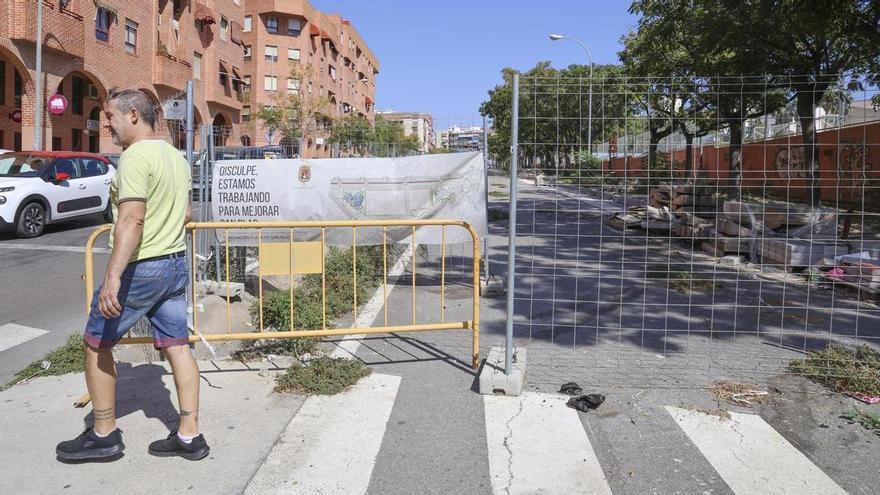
column 557, row 37
column 38, row 89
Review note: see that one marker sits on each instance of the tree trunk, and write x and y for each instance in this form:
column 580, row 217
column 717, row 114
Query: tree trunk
column 735, row 159
column 689, row 154
column 806, row 108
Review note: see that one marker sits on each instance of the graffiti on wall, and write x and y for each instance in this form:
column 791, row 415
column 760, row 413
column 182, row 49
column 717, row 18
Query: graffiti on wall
column 853, row 164
column 789, row 162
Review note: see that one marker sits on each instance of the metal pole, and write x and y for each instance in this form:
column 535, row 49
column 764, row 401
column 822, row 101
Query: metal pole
column 486, row 176
column 511, row 236
column 38, row 97
column 190, row 116
column 206, row 179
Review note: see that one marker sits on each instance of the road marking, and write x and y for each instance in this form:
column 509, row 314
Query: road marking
column 41, row 247
column 751, row 456
column 348, row 346
column 538, row 445
column 331, row 444
column 13, row 334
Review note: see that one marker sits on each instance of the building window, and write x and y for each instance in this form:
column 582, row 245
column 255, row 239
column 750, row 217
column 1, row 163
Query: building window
column 272, row 24
column 224, row 77
column 224, row 28
column 246, row 27
column 292, row 86
column 270, row 83
column 131, row 33
column 293, row 54
column 197, row 66
column 294, row 27
column 78, row 95
column 246, row 82
column 271, row 53
column 247, row 53
column 332, row 72
column 76, row 138
column 18, row 89
column 2, row 84
column 103, row 17
column 246, row 114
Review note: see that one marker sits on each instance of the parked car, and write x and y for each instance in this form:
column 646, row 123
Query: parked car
column 113, row 158
column 4, row 151
column 42, row 187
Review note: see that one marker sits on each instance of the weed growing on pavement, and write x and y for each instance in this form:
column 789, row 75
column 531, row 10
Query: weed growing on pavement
column 498, row 215
column 322, row 376
column 308, row 311
column 69, row 358
column 842, row 368
column 869, row 420
column 685, row 282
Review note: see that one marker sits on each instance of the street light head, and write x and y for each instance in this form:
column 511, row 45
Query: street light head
column 556, row 37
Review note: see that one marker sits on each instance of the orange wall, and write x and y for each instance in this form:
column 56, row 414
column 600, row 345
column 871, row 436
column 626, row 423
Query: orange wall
column 849, row 160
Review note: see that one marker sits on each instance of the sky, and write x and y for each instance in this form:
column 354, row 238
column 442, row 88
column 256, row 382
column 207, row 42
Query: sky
column 442, row 56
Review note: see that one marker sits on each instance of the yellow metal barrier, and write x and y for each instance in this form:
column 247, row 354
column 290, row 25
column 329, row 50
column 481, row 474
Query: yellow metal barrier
column 286, row 266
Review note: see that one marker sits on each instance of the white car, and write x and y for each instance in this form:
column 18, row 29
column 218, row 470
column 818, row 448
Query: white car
column 42, row 187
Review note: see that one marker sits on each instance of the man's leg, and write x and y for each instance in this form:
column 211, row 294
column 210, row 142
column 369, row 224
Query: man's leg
column 186, row 380
column 101, row 382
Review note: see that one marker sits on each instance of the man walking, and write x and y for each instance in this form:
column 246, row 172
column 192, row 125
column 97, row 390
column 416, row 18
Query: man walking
column 146, row 276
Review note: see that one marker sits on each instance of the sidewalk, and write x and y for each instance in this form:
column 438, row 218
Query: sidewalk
column 241, row 417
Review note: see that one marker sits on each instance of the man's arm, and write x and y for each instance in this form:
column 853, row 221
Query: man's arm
column 188, row 216
column 126, row 238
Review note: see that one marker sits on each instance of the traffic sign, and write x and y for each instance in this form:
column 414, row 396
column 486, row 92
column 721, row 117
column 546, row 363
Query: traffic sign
column 57, row 104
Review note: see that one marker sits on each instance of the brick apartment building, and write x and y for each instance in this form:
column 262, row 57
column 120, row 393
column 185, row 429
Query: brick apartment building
column 420, row 125
column 90, row 46
column 327, row 56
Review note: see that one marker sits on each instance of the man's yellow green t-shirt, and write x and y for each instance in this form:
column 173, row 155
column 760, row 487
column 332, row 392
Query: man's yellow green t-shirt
column 155, row 172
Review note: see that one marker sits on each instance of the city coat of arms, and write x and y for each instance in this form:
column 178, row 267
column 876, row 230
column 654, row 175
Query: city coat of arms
column 305, row 173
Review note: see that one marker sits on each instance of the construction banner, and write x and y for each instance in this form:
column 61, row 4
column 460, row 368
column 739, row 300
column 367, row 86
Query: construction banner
column 443, row 186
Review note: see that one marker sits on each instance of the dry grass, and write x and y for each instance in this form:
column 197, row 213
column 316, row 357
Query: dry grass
column 741, row 394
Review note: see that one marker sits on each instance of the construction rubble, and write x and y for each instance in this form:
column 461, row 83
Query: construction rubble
column 787, row 237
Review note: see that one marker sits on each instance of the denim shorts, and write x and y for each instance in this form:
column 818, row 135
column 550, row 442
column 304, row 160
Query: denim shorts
column 155, row 289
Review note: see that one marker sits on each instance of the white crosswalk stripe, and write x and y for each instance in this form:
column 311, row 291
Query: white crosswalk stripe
column 538, row 445
column 331, row 444
column 13, row 334
column 751, row 456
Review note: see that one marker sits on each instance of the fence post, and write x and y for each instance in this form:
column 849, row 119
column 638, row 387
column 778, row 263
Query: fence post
column 511, row 249
column 486, row 173
column 190, row 117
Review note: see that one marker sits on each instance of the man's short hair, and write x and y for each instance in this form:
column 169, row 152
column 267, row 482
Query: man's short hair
column 134, row 99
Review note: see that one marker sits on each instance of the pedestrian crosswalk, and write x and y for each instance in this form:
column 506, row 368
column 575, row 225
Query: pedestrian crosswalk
column 534, row 444
column 13, row 334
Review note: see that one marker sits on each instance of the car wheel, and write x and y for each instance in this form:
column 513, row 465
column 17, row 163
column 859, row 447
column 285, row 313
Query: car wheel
column 108, row 214
column 31, row 220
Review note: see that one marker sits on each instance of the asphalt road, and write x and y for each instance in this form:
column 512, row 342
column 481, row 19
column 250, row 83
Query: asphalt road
column 43, row 288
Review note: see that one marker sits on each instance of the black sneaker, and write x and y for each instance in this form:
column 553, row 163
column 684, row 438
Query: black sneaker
column 174, row 446
column 90, row 446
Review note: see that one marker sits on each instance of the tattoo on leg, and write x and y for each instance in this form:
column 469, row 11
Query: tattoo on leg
column 102, row 414
column 194, row 414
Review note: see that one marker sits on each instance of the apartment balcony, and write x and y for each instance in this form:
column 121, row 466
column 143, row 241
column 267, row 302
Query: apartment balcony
column 170, row 72
column 63, row 30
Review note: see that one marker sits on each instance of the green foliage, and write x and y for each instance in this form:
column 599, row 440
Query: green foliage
column 548, row 92
column 869, row 420
column 308, row 310
column 69, row 358
column 842, row 368
column 385, row 138
column 322, row 376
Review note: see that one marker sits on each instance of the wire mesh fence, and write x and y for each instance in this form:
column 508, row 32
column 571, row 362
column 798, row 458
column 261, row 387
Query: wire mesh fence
column 716, row 225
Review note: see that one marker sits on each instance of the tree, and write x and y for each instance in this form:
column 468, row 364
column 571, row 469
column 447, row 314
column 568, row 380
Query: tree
column 391, row 140
column 353, row 133
column 806, row 46
column 554, row 110
column 296, row 115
